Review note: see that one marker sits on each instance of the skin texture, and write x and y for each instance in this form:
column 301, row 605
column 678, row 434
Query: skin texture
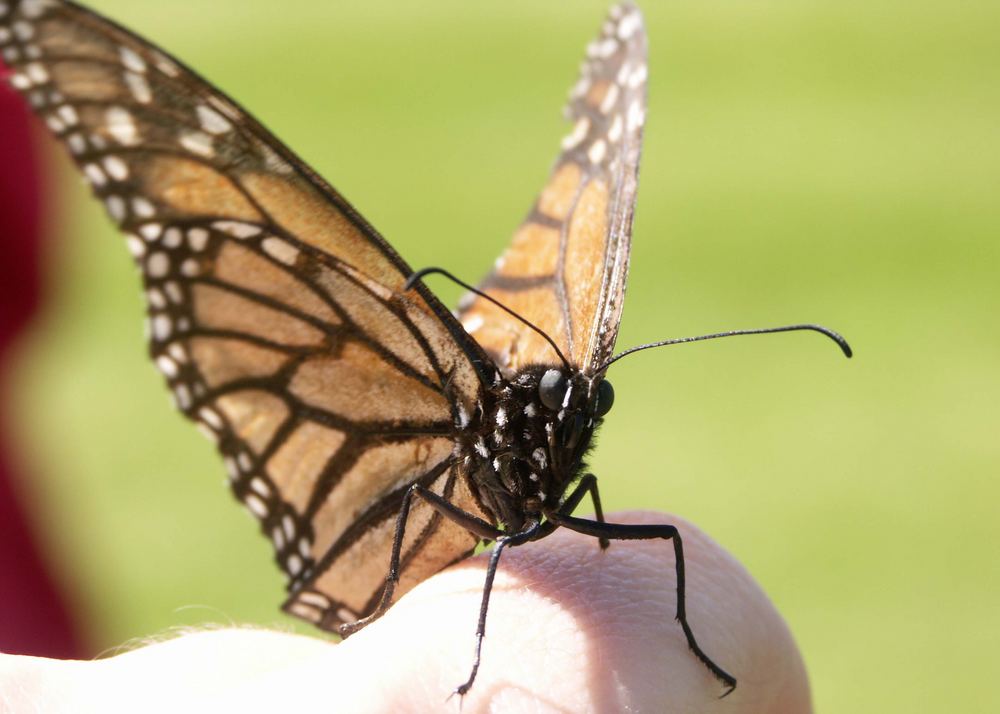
column 570, row 629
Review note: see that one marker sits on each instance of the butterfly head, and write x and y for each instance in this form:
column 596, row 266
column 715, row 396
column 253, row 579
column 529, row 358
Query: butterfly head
column 571, row 405
column 577, row 402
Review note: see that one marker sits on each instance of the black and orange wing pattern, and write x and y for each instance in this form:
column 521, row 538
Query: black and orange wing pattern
column 566, row 267
column 276, row 313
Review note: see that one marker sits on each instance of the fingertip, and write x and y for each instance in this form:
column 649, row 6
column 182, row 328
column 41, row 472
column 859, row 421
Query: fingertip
column 573, row 627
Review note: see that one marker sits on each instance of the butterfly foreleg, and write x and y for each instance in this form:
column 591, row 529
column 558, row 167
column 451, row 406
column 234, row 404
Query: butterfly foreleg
column 622, row 531
column 502, row 542
column 468, row 521
column 587, row 484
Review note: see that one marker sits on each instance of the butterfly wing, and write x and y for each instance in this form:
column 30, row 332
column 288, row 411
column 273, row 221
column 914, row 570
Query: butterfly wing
column 566, row 267
column 276, row 313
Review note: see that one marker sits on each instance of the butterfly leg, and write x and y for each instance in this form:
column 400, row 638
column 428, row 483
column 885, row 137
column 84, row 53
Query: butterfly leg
column 587, row 484
column 621, row 531
column 502, row 542
column 471, row 523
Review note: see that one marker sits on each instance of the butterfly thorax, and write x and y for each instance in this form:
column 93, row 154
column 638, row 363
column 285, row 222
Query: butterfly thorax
column 521, row 453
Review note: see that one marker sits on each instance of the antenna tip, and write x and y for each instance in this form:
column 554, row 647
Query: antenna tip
column 839, row 339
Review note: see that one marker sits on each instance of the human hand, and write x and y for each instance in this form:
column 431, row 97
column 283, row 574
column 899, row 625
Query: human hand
column 570, row 629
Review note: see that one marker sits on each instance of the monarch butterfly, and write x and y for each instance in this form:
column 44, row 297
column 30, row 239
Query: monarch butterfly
column 376, row 437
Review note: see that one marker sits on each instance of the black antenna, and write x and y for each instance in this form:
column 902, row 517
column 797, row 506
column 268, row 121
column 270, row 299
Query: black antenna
column 441, row 271
column 846, row 348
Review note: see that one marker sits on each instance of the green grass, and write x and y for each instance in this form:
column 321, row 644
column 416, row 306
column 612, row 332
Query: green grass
column 803, row 161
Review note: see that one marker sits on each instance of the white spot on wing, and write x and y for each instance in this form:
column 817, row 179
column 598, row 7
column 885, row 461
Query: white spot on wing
column 608, row 103
column 304, row 611
column 197, row 238
column 183, row 396
column 597, row 151
column 314, row 599
column 18, row 80
column 94, row 175
column 623, row 73
column 579, row 133
column 635, row 116
column 211, row 121
column 37, row 73
column 34, row 8
column 158, row 265
column 276, row 535
column 472, row 323
column 174, row 292
column 580, row 88
column 142, row 207
column 161, row 331
column 151, row 231
column 136, row 247
column 225, row 107
column 166, row 65
column 260, row 486
column 121, row 126
column 607, row 48
column 176, row 351
column 23, row 30
column 280, row 250
column 167, row 366
column 139, row 87
column 132, row 60
column 68, row 115
column 237, row 229
column 638, row 76
column 154, row 296
column 172, row 237
column 55, row 124
column 116, row 168
column 116, row 207
column 615, row 132
column 259, row 509
column 198, row 142
column 629, row 24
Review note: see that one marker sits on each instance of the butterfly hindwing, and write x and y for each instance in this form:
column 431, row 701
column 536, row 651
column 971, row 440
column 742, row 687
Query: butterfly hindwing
column 276, row 313
column 566, row 267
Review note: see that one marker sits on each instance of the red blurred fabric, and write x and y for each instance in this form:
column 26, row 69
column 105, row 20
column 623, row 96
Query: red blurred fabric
column 33, row 616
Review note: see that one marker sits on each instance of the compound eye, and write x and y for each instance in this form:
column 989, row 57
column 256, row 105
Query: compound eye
column 605, row 398
column 552, row 389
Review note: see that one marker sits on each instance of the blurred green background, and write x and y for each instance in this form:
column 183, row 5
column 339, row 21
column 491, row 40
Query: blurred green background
column 830, row 162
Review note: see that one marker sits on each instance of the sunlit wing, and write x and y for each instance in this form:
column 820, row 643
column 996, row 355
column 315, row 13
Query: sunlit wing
column 566, row 267
column 275, row 310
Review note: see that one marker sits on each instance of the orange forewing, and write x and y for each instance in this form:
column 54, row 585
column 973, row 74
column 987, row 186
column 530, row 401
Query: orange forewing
column 566, row 267
column 276, row 312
